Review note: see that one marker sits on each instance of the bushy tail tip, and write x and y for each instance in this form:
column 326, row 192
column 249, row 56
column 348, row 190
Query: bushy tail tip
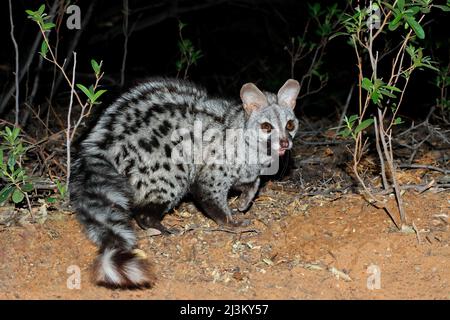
column 122, row 269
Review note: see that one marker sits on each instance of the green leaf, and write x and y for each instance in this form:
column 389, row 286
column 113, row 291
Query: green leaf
column 443, row 8
column 363, row 125
column 387, row 93
column 415, row 26
column 85, row 90
column 51, row 200
column 412, row 11
column 31, row 14
column 44, row 49
column 4, row 194
column 41, row 9
column 366, row 84
column 394, row 24
column 398, row 121
column 91, row 90
column 48, row 25
column 314, row 9
column 337, row 34
column 8, row 131
column 95, row 66
column 28, row 187
column 15, row 132
column 392, row 88
column 376, row 97
column 345, row 133
column 18, row 173
column 17, row 196
column 390, row 7
column 352, row 118
column 401, row 4
column 97, row 95
column 11, row 162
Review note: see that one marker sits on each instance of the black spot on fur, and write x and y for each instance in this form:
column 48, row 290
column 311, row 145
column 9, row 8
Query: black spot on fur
column 148, row 114
column 154, row 142
column 158, row 109
column 107, row 141
column 125, row 152
column 134, row 100
column 131, row 147
column 155, row 167
column 117, row 159
column 143, row 170
column 168, row 150
column 145, row 144
column 157, row 133
column 137, row 114
column 128, row 168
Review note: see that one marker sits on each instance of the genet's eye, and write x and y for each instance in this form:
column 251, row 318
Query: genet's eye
column 267, row 127
column 290, row 125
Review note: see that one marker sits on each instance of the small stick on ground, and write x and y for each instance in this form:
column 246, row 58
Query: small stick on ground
column 419, row 240
column 422, row 166
column 231, row 230
column 380, row 154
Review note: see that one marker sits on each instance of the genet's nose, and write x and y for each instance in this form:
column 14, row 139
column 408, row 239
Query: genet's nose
column 284, row 143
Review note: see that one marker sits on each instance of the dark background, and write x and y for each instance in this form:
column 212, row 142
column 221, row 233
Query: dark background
column 241, row 41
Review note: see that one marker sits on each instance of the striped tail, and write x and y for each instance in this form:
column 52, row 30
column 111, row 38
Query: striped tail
column 100, row 196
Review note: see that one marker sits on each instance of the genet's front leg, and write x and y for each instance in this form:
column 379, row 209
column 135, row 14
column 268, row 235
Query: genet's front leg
column 214, row 203
column 248, row 194
column 150, row 216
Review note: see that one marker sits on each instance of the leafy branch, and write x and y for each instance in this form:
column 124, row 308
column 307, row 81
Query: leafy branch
column 17, row 182
column 92, row 93
column 188, row 54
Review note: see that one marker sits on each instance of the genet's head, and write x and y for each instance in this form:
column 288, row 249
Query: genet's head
column 273, row 115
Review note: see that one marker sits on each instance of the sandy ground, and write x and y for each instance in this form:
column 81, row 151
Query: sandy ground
column 297, row 247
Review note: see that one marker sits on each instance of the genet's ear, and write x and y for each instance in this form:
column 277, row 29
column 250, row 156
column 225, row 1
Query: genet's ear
column 252, row 98
column 287, row 95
